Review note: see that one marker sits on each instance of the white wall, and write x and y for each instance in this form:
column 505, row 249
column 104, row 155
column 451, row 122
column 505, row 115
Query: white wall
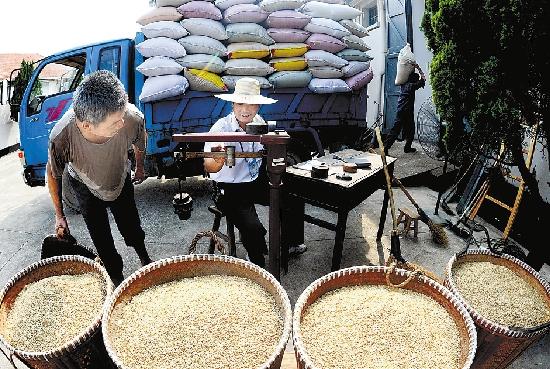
column 376, row 41
column 9, row 130
column 422, row 54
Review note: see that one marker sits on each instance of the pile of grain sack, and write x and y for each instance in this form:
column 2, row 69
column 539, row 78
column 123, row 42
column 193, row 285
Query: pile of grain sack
column 208, row 46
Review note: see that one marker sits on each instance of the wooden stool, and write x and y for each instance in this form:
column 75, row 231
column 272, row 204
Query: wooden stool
column 229, row 238
column 407, row 216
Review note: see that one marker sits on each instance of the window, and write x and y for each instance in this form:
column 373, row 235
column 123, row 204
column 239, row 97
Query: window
column 109, row 59
column 59, row 77
column 370, row 15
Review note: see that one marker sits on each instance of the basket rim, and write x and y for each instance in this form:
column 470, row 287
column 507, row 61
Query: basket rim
column 72, row 345
column 493, row 326
column 306, row 361
column 286, row 308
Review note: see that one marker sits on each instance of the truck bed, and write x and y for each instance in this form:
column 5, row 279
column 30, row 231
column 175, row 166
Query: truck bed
column 197, row 111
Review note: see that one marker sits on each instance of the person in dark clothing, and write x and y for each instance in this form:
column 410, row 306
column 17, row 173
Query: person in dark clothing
column 404, row 120
column 246, row 183
column 91, row 141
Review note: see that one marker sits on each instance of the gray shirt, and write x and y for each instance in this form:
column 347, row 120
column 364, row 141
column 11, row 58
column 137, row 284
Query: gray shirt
column 101, row 167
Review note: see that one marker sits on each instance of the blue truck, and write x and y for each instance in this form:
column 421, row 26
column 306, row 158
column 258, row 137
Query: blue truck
column 314, row 121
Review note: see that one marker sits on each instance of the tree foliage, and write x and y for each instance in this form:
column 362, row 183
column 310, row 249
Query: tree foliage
column 20, row 84
column 491, row 65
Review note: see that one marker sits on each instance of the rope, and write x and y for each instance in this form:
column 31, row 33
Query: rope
column 391, row 269
column 217, row 243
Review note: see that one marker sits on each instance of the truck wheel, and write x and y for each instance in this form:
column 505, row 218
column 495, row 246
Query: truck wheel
column 69, row 197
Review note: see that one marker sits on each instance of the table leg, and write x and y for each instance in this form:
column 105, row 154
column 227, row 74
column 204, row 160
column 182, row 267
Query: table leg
column 276, row 154
column 339, row 240
column 383, row 214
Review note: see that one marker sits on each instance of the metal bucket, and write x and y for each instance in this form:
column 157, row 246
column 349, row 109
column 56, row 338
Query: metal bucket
column 85, row 351
column 376, row 275
column 498, row 345
column 189, row 266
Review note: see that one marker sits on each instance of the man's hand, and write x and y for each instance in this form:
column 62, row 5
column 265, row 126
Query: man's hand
column 61, row 226
column 139, row 176
column 218, row 160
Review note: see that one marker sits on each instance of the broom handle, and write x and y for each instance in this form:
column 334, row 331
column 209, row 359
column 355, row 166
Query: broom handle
column 396, row 180
column 388, row 179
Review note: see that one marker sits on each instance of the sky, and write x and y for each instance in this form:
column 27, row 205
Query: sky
column 50, row 26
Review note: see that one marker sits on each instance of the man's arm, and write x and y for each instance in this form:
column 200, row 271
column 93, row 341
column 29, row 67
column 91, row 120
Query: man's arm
column 139, row 174
column 55, row 189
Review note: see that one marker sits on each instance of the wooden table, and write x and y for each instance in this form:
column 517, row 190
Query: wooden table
column 338, row 195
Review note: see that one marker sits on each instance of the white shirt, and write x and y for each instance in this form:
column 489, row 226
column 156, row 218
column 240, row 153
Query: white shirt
column 243, row 171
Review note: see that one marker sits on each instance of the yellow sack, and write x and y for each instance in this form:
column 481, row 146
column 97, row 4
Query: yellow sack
column 202, row 80
column 248, row 50
column 282, row 64
column 288, row 50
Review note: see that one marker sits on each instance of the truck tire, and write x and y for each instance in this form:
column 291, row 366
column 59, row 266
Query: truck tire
column 69, row 198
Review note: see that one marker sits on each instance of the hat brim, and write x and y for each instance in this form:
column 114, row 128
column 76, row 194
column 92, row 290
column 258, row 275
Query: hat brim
column 247, row 99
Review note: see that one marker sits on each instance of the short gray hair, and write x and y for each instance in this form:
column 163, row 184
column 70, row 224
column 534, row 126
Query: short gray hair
column 99, row 94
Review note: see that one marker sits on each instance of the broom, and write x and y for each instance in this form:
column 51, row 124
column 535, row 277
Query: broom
column 395, row 257
column 439, row 235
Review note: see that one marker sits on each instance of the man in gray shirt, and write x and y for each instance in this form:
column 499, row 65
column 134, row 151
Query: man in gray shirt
column 92, row 139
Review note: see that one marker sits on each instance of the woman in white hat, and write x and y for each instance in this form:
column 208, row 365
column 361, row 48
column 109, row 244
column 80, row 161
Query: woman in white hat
column 246, row 183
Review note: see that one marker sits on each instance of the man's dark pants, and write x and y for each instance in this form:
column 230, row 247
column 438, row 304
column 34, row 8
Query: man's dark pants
column 404, row 121
column 124, row 210
column 237, row 203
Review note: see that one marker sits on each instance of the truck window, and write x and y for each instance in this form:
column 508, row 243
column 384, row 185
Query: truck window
column 58, row 77
column 109, row 59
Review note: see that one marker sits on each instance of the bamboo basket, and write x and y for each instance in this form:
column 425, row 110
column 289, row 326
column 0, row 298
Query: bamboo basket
column 187, row 266
column 85, row 351
column 376, row 275
column 498, row 345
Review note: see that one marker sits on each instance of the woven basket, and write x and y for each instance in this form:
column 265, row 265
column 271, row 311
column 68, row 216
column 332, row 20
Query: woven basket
column 188, row 266
column 498, row 345
column 376, row 275
column 85, row 351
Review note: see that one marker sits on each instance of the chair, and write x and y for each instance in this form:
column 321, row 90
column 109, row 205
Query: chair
column 407, row 216
column 229, row 238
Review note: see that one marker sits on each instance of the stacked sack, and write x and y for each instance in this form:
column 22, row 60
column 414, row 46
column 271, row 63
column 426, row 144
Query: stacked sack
column 285, row 25
column 281, row 43
column 337, row 58
column 161, row 49
column 247, row 43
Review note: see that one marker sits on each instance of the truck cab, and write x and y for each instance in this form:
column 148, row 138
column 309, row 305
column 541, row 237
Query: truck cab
column 41, row 108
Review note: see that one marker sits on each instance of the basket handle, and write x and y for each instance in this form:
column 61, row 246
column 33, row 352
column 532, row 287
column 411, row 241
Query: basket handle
column 218, row 245
column 391, row 269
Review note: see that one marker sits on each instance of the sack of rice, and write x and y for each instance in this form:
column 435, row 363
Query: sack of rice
column 277, row 5
column 200, row 9
column 358, row 318
column 165, row 13
column 230, row 81
column 244, row 13
column 247, row 50
column 337, row 12
column 202, row 80
column 205, row 27
column 50, row 313
column 210, row 63
column 405, row 65
column 198, row 311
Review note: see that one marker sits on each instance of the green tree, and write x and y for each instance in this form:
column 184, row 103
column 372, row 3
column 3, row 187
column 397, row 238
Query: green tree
column 491, row 65
column 20, row 84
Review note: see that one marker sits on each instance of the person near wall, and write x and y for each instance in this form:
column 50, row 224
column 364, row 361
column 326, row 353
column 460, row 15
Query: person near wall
column 92, row 141
column 246, row 183
column 404, row 120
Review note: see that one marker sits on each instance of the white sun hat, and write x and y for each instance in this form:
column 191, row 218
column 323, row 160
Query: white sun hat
column 247, row 91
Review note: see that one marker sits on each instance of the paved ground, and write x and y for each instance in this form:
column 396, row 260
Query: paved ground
column 26, row 216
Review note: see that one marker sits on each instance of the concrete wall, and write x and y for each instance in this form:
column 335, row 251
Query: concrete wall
column 9, row 130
